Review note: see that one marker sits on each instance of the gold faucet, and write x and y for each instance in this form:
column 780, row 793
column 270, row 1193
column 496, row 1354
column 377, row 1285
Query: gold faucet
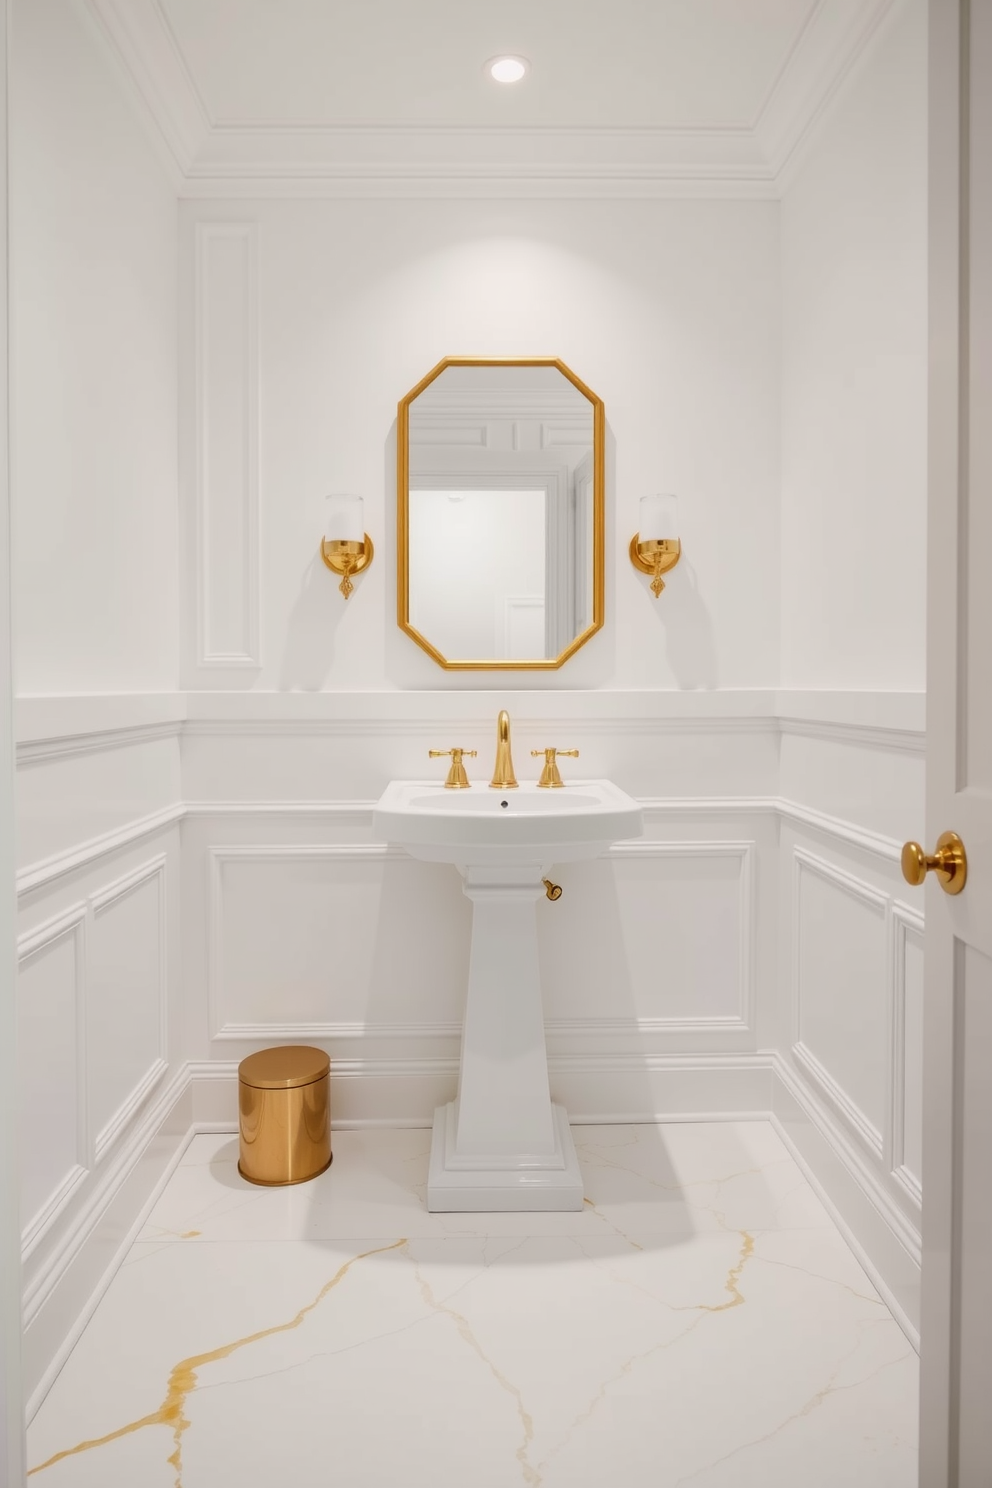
column 503, row 776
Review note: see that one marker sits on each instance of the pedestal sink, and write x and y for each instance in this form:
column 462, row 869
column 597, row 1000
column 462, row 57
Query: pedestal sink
column 502, row 1144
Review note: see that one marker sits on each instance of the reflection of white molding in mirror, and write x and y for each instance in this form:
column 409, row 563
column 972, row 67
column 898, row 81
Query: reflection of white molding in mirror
column 500, row 514
column 524, row 624
column 467, row 558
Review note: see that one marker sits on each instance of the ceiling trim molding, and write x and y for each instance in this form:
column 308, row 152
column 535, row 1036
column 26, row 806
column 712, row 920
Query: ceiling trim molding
column 787, row 152
column 145, row 44
column 241, row 160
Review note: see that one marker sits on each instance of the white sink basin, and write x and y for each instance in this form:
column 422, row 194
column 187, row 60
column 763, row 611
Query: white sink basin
column 527, row 825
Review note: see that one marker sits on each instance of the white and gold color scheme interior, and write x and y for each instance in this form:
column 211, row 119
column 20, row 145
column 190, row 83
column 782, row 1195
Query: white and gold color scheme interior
column 240, row 235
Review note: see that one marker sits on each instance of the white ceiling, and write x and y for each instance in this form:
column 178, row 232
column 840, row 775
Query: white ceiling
column 386, row 97
column 595, row 63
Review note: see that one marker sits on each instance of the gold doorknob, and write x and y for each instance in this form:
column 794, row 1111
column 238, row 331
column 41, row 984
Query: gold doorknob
column 949, row 862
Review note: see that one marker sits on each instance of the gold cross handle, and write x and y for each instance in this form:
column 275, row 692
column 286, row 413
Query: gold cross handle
column 457, row 779
column 551, row 775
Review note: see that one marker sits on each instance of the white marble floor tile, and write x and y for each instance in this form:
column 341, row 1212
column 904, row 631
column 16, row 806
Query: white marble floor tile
column 641, row 1180
column 709, row 1351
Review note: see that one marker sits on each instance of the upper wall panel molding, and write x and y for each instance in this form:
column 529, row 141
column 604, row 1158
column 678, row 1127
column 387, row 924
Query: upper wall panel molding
column 255, row 157
column 226, row 402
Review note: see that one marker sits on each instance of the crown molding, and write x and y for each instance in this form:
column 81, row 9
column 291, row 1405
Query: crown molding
column 140, row 34
column 838, row 34
column 239, row 160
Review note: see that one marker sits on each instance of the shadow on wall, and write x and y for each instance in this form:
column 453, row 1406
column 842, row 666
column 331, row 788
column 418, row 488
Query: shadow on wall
column 689, row 642
column 313, row 620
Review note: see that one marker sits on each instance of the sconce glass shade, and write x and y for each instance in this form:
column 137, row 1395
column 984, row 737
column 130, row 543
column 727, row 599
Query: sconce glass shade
column 345, row 519
column 659, row 518
column 656, row 546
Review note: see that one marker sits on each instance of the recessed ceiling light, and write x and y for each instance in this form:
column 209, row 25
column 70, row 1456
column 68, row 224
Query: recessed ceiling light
column 507, row 69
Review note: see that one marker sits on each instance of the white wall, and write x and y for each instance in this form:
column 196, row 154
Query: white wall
column 854, row 420
column 94, row 317
column 854, row 381
column 94, row 294
column 667, row 309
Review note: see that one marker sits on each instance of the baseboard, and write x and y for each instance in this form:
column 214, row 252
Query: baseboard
column 619, row 1088
column 884, row 1240
column 594, row 1088
column 63, row 1294
column 364, row 1092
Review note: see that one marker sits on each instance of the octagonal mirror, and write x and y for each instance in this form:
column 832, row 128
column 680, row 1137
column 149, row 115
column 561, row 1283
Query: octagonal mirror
column 500, row 504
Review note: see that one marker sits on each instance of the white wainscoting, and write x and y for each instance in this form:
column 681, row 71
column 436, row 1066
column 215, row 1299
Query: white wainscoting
column 127, row 1002
column 660, row 932
column 657, row 948
column 321, row 940
column 907, row 1051
column 299, row 932
column 99, row 943
column 840, row 945
column 850, row 1077
column 51, row 1057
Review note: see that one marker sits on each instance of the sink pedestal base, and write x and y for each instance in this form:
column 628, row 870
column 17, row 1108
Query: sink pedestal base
column 505, row 1183
column 502, row 1144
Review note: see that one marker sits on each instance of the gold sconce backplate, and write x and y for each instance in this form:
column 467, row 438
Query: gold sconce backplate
column 346, row 559
column 655, row 557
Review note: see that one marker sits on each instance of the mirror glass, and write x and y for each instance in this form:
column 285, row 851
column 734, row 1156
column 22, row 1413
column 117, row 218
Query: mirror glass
column 500, row 513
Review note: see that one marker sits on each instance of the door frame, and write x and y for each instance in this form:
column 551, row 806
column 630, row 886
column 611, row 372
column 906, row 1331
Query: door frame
column 12, row 1455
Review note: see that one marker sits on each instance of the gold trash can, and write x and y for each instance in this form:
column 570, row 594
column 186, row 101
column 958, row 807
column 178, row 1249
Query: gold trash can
column 284, row 1115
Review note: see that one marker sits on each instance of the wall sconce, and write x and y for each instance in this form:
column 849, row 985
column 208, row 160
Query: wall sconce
column 655, row 548
column 346, row 547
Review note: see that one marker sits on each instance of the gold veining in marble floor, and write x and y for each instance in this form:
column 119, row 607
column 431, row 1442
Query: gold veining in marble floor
column 184, row 1375
column 731, row 1283
column 700, row 1322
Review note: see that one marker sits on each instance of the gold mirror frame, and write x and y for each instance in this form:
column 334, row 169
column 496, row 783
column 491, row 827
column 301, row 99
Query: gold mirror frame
column 403, row 516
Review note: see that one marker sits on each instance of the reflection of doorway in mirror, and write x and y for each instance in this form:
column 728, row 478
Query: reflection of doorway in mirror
column 502, row 425
column 524, row 627
column 580, row 556
column 472, row 554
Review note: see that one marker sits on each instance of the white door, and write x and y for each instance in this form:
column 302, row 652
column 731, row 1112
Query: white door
column 956, row 1332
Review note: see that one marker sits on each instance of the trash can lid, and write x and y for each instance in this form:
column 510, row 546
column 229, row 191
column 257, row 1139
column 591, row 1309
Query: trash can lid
column 283, row 1068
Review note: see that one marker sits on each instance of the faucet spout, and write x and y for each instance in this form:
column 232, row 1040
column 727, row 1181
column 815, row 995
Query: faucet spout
column 503, row 776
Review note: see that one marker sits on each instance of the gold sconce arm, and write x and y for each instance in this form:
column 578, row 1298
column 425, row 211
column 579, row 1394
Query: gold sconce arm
column 457, row 778
column 551, row 775
column 655, row 556
column 346, row 559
